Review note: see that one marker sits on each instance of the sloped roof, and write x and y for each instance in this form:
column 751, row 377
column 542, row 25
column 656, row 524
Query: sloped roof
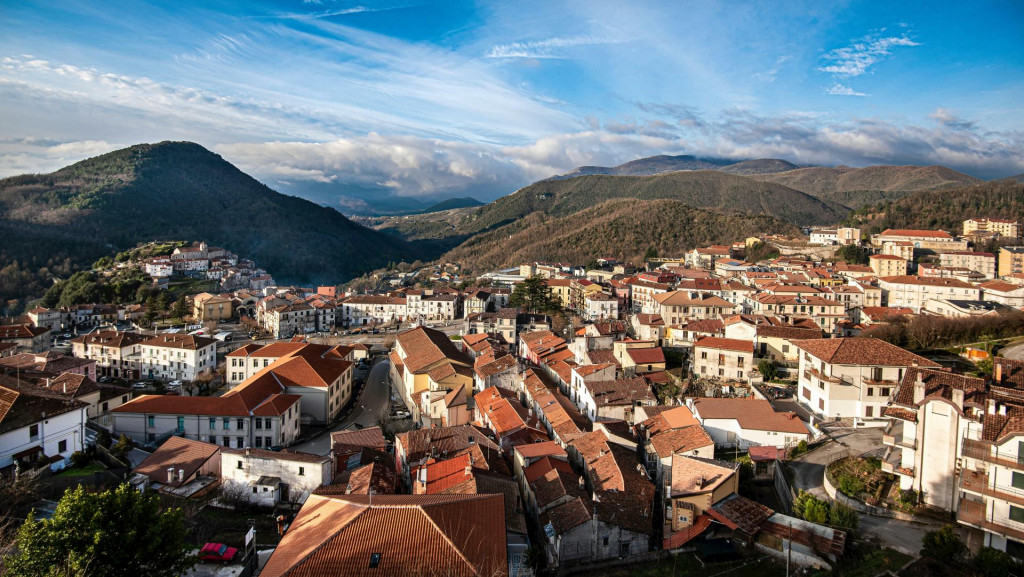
column 861, row 351
column 694, row 475
column 751, row 414
column 424, row 347
column 336, row 535
column 180, row 453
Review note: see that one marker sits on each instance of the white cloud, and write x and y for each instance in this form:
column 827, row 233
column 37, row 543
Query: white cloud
column 545, row 48
column 770, row 74
column 842, row 90
column 857, row 58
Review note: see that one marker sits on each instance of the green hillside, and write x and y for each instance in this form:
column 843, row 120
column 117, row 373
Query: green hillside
column 701, row 189
column 175, row 190
column 621, row 228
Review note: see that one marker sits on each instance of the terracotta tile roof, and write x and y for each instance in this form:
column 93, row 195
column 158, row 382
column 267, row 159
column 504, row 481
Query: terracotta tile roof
column 751, row 414
column 620, row 391
column 244, row 351
column 587, row 370
column 880, row 313
column 670, row 418
column 505, row 363
column 1000, row 286
column 111, row 339
column 336, row 535
column 482, row 482
column 180, row 453
column 927, row 281
column 22, row 404
column 861, row 351
column 739, row 512
column 693, row 475
column 911, row 232
column 543, row 466
column 370, row 438
column 71, row 384
column 602, row 357
column 282, row 455
column 706, row 326
column 186, row 342
column 680, row 440
column 377, row 477
column 566, row 516
column 443, row 474
column 446, row 442
column 788, row 332
column 424, row 347
column 1009, row 371
column 504, row 412
column 610, row 328
column 650, row 320
column 449, row 369
column 21, row 332
column 646, row 356
column 544, row 449
column 720, row 343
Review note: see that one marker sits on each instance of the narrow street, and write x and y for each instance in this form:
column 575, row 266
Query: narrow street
column 374, row 401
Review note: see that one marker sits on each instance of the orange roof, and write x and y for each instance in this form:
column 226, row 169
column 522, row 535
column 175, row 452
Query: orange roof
column 737, row 345
column 179, row 453
column 861, row 351
column 368, row 535
column 750, row 413
column 911, row 232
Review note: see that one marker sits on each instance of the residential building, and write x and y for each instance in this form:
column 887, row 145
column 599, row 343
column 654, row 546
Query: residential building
column 362, row 310
column 180, row 467
column 1011, row 260
column 411, row 447
column 267, row 477
column 1007, row 293
column 961, row 309
column 914, row 291
column 1003, row 227
column 37, row 426
column 678, row 307
column 175, row 357
column 208, row 307
column 929, row 240
column 614, row 399
column 851, row 378
column 29, row 339
column 48, row 318
column 113, row 352
column 600, row 306
column 668, row 431
column 982, row 262
column 696, row 484
column 727, row 359
column 888, row 265
column 745, row 423
column 429, row 368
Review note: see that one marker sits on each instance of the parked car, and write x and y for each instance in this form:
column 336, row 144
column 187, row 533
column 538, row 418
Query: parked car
column 66, row 336
column 217, row 553
column 173, row 384
column 140, row 386
column 400, row 414
column 104, row 380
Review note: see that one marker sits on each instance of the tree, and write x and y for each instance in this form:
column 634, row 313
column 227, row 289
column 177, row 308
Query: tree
column 853, row 254
column 984, row 366
column 651, row 253
column 995, row 563
column 843, row 517
column 943, row 545
column 117, row 532
column 180, row 309
column 123, row 445
column 768, row 370
column 533, row 295
column 807, row 506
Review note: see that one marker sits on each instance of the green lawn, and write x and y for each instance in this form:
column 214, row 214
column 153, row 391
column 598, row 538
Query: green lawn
column 89, row 469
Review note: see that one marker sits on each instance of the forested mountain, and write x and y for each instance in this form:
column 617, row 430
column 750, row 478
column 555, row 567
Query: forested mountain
column 945, row 209
column 700, row 189
column 179, row 190
column 620, row 228
column 648, row 166
column 856, row 187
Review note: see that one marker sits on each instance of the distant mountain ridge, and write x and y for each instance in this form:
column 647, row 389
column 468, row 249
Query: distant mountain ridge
column 174, row 190
column 664, row 163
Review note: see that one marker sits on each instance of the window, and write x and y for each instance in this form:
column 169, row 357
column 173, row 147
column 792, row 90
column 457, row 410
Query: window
column 33, row 432
column 267, row 442
column 821, row 404
column 181, row 424
column 239, row 441
column 213, row 424
column 62, row 446
column 885, row 391
column 1016, row 514
column 151, row 421
column 374, row 560
column 268, row 425
column 721, row 359
column 624, row 549
column 302, row 471
column 739, row 362
column 239, row 465
column 606, row 540
column 259, row 441
column 739, row 374
column 876, row 374
column 785, row 348
column 869, row 411
column 226, row 441
column 227, row 424
column 254, row 489
column 871, row 392
column 258, row 423
column 241, row 424
column 1018, row 480
column 704, row 354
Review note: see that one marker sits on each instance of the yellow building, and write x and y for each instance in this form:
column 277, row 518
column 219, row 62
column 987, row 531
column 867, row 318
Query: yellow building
column 208, row 307
column 1011, row 260
column 888, row 265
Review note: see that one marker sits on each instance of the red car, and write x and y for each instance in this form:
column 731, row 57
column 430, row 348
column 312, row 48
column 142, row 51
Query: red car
column 217, row 553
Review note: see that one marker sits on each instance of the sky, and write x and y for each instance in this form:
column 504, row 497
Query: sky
column 353, row 101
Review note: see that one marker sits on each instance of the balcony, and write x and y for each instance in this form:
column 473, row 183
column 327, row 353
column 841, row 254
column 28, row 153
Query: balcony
column 990, row 454
column 974, row 513
column 895, row 437
column 892, row 463
column 981, row 484
column 823, row 377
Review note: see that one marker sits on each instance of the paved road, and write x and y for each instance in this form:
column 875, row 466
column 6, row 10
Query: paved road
column 810, row 468
column 900, row 535
column 374, row 401
column 1016, row 352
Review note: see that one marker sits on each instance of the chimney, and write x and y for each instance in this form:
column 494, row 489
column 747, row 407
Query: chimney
column 997, row 372
column 991, row 406
column 423, row 478
column 958, row 398
column 1002, row 410
column 918, row 390
column 583, row 484
column 181, row 475
column 170, row 474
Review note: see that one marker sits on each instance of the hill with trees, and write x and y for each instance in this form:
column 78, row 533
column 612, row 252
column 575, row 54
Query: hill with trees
column 63, row 221
column 856, row 187
column 945, row 209
column 621, row 228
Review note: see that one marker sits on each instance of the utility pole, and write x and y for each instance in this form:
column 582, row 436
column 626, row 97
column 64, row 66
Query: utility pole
column 789, row 549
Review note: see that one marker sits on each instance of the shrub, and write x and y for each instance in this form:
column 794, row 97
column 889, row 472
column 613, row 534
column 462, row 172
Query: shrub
column 850, row 485
column 995, row 563
column 103, row 439
column 943, row 545
column 80, row 459
column 123, row 445
column 768, row 369
column 843, row 517
column 811, row 508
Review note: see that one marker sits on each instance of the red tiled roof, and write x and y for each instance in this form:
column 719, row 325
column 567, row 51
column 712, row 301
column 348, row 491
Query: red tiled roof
column 720, row 343
column 336, row 535
column 861, row 351
column 911, row 232
column 179, row 453
column 753, row 414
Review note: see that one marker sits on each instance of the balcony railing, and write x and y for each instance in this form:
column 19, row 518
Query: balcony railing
column 985, row 452
column 892, row 463
column 823, row 376
column 974, row 513
column 981, row 484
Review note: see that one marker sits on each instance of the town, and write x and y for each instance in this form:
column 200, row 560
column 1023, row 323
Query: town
column 767, row 400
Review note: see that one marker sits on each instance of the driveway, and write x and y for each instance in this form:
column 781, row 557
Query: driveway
column 1016, row 352
column 810, row 468
column 374, row 400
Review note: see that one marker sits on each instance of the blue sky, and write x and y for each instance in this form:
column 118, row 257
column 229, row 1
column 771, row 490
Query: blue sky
column 342, row 100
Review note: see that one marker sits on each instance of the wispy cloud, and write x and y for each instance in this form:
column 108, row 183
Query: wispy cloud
column 770, row 74
column 857, row 58
column 838, row 89
column 549, row 48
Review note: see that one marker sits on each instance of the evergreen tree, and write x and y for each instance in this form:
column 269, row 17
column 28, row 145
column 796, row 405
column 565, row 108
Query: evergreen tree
column 533, row 295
